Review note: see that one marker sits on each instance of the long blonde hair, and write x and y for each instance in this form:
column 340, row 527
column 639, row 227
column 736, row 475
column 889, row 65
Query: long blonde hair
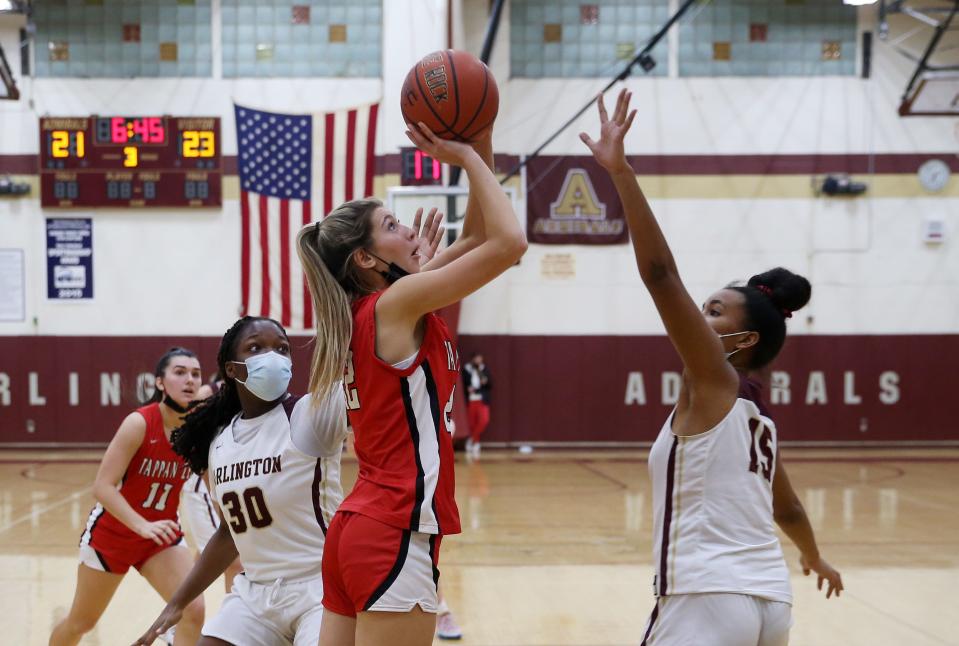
column 326, row 253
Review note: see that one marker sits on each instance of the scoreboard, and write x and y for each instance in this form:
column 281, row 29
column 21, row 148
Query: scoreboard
column 130, row 162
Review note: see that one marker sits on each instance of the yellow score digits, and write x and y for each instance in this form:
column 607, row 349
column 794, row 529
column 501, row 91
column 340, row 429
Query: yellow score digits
column 198, row 143
column 131, row 156
column 60, row 144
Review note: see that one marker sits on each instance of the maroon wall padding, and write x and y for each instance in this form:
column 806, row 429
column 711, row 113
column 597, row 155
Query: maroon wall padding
column 573, row 388
column 545, row 388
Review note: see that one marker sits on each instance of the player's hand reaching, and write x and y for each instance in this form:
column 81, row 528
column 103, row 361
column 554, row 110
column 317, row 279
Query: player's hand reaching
column 444, row 150
column 825, row 572
column 168, row 618
column 161, row 532
column 429, row 235
column 609, row 151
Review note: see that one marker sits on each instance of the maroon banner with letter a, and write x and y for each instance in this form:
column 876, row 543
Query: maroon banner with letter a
column 572, row 200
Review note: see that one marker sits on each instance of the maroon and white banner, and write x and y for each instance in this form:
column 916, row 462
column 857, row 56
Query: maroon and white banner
column 858, row 388
column 572, row 200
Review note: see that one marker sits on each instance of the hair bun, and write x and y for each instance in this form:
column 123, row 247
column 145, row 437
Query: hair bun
column 788, row 291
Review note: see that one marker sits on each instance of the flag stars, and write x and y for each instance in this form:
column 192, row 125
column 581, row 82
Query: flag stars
column 274, row 153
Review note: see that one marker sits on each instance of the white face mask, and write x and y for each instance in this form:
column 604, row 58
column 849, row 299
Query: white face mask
column 267, row 375
column 723, row 336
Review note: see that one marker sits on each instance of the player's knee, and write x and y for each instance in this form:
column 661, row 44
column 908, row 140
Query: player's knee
column 193, row 613
column 81, row 624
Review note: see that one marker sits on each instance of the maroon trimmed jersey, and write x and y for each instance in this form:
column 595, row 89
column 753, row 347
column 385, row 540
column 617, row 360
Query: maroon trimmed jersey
column 151, row 484
column 402, row 425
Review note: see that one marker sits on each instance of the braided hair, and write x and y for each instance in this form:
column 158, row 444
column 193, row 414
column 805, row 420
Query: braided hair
column 771, row 298
column 192, row 440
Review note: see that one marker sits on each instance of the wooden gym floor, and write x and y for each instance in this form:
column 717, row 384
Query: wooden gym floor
column 556, row 548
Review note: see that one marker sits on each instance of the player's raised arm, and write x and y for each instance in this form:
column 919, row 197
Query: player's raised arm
column 503, row 245
column 473, row 232
column 698, row 345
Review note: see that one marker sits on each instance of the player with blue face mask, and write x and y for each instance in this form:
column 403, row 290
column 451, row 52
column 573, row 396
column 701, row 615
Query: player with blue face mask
column 272, row 461
column 267, row 375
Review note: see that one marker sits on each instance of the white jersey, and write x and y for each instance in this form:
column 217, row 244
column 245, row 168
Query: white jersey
column 276, row 478
column 712, row 500
column 196, row 506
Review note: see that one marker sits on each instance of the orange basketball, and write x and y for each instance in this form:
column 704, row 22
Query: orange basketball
column 452, row 92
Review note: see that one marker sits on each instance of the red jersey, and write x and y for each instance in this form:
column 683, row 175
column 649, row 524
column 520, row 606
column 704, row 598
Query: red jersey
column 402, row 425
column 151, row 485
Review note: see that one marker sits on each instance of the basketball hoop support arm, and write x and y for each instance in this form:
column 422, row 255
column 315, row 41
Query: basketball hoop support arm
column 643, row 59
column 6, row 77
column 923, row 62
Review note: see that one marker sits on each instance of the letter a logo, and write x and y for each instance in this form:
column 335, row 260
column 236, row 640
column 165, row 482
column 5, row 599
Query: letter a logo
column 577, row 198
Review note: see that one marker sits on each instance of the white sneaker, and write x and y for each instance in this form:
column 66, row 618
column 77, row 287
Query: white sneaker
column 476, row 450
column 447, row 628
column 168, row 636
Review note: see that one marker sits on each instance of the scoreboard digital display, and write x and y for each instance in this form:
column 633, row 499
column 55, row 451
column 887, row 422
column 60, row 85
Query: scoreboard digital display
column 419, row 169
column 130, row 162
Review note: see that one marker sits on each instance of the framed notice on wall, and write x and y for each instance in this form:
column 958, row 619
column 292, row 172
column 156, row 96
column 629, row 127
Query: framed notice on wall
column 69, row 258
column 12, row 288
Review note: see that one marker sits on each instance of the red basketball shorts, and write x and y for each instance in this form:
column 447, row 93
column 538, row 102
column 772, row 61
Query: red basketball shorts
column 372, row 566
column 117, row 557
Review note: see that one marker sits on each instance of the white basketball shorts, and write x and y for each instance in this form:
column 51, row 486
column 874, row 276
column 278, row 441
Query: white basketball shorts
column 197, row 507
column 279, row 614
column 718, row 619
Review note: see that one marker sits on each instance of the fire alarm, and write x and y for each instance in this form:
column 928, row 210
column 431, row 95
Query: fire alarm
column 933, row 229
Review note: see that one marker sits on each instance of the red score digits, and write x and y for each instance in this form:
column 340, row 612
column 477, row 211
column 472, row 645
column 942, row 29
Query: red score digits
column 148, row 130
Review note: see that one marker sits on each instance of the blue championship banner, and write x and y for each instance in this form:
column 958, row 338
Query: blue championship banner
column 69, row 258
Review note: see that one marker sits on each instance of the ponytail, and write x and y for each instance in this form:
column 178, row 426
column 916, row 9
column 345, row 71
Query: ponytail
column 326, row 254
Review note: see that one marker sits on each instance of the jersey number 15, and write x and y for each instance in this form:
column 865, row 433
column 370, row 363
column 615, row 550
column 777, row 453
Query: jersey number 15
column 760, row 442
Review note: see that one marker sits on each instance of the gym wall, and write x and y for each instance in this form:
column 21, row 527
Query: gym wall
column 728, row 163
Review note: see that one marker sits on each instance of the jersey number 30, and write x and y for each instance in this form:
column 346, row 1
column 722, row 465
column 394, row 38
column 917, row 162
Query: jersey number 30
column 760, row 441
column 255, row 507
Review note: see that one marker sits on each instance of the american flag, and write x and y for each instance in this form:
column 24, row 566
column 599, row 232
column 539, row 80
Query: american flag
column 294, row 168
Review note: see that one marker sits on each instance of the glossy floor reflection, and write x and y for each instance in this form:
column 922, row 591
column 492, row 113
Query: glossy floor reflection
column 556, row 548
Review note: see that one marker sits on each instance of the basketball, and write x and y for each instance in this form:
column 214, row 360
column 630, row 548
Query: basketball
column 452, row 92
